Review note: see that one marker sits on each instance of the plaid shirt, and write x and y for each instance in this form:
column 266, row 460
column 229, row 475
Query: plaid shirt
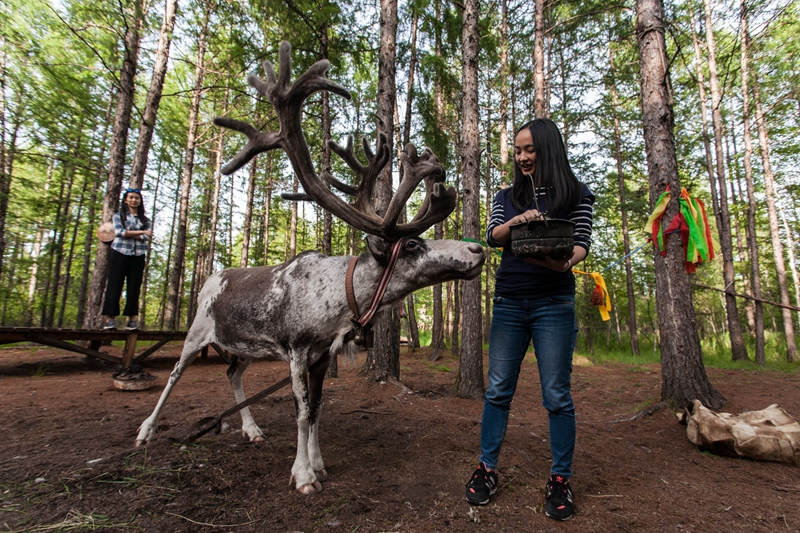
column 129, row 245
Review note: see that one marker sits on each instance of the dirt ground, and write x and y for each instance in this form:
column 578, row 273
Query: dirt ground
column 398, row 459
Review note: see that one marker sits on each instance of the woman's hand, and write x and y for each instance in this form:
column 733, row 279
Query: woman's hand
column 527, row 216
column 562, row 264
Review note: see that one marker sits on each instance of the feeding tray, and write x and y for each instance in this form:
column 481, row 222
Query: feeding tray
column 537, row 239
column 133, row 378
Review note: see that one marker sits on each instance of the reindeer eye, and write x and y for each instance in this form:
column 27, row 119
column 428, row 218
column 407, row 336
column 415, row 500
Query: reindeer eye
column 412, row 245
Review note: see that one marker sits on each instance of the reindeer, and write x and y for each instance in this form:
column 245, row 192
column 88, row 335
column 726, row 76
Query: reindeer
column 300, row 311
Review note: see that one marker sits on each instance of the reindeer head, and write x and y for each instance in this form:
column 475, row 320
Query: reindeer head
column 288, row 101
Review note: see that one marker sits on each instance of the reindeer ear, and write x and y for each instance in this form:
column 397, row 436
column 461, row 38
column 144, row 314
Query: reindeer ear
column 379, row 248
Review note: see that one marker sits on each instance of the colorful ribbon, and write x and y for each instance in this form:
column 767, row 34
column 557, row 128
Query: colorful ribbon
column 691, row 222
column 600, row 296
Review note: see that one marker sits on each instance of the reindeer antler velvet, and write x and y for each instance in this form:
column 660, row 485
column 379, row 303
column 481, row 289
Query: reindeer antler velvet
column 288, row 100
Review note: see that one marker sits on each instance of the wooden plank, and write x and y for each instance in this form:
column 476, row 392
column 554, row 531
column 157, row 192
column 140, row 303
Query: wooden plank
column 14, row 334
column 58, row 343
column 151, row 350
column 130, row 348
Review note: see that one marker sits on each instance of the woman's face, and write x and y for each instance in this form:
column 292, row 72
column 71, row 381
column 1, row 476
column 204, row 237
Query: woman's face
column 524, row 152
column 133, row 200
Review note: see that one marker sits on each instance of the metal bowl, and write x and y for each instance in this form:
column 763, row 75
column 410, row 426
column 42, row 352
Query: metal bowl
column 537, row 239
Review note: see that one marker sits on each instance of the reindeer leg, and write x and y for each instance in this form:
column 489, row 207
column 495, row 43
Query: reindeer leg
column 235, row 372
column 148, row 428
column 302, row 473
column 316, row 376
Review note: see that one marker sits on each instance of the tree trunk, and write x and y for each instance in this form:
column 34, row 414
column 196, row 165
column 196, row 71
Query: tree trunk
column 248, row 211
column 626, row 240
column 738, row 348
column 540, row 104
column 71, row 254
column 774, row 231
column 267, row 207
column 437, row 330
column 327, row 218
column 6, row 172
column 165, row 286
column 116, row 162
column 139, row 166
column 36, row 256
column 143, row 319
column 383, row 359
column 684, row 377
column 212, row 242
column 487, row 289
column 172, row 312
column 790, row 252
column 752, row 242
column 469, row 381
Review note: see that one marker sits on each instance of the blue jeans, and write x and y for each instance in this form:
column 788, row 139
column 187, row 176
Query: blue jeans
column 550, row 324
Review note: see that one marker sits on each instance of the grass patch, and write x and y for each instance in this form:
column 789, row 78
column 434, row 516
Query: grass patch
column 713, row 357
column 40, row 371
column 76, row 521
column 440, row 368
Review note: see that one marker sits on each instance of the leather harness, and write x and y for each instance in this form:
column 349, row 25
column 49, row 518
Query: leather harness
column 361, row 324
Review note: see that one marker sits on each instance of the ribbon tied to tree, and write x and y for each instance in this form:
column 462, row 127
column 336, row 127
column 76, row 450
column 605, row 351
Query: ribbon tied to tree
column 691, row 222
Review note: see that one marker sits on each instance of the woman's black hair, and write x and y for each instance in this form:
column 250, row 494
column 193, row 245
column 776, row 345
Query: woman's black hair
column 123, row 210
column 552, row 170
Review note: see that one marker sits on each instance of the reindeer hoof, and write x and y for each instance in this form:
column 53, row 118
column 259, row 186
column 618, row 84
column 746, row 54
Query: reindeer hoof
column 322, row 475
column 310, row 489
column 258, row 438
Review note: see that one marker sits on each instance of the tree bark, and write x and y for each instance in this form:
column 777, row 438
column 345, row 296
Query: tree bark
column 383, row 359
column 684, row 377
column 176, row 275
column 469, row 382
column 540, row 104
column 774, row 231
column 116, row 163
column 738, row 348
column 143, row 142
column 752, row 242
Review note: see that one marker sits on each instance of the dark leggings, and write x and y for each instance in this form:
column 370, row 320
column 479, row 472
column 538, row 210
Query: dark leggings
column 121, row 266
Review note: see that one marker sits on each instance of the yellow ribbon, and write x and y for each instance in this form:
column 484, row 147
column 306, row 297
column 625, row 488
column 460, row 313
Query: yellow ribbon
column 600, row 282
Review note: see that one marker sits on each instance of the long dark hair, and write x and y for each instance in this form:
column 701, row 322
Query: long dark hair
column 552, row 170
column 123, row 210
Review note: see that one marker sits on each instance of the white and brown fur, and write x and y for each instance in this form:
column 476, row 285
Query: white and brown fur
column 297, row 312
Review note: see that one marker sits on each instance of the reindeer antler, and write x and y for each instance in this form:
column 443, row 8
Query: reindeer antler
column 288, row 101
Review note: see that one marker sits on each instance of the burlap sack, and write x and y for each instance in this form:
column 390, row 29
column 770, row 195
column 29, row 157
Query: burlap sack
column 767, row 435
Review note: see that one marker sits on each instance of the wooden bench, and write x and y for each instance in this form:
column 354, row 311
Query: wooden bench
column 57, row 338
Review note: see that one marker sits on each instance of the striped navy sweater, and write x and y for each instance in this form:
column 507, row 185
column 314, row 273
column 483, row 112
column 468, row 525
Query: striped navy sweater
column 519, row 280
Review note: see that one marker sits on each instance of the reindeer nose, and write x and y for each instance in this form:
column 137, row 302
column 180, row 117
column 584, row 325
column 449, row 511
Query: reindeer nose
column 475, row 248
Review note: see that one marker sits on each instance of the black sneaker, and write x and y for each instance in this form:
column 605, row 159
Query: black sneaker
column 559, row 498
column 482, row 485
column 132, row 325
column 111, row 324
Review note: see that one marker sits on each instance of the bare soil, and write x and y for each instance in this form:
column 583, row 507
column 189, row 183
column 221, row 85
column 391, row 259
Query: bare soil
column 398, row 459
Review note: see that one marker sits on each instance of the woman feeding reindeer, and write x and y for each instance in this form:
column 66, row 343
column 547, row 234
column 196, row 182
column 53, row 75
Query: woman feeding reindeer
column 534, row 301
